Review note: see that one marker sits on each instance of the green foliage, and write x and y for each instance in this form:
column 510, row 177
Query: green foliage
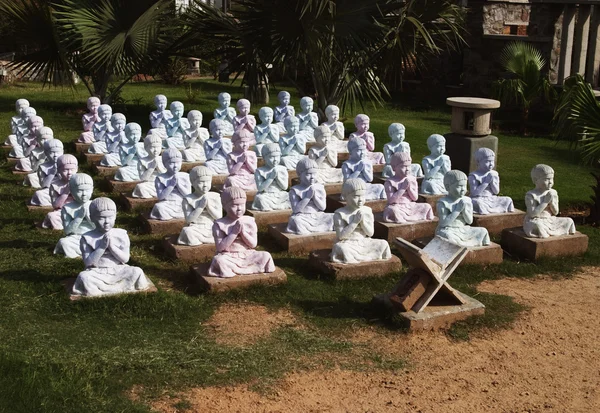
column 328, row 49
column 173, row 71
column 526, row 84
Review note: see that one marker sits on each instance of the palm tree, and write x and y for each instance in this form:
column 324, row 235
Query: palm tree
column 331, row 49
column 526, row 84
column 104, row 40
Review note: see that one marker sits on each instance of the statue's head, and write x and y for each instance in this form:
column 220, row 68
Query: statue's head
column 485, row 158
column 322, row 135
column 307, row 170
column 105, row 113
column 243, row 107
column 103, row 213
column 118, row 121
column 160, row 101
column 354, row 191
column 153, row 143
column 397, row 131
column 53, row 149
column 133, row 132
column 306, row 104
column 82, row 187
column 93, row 103
column 401, row 162
column 35, row 123
column 201, row 179
column 542, row 176
column 20, row 105
column 357, row 148
column 242, row 139
column 333, row 113
column 43, row 134
column 234, row 201
column 224, row 99
column 292, row 125
column 284, row 98
column 195, row 118
column 177, row 109
column 217, row 128
column 172, row 160
column 436, row 144
column 362, row 123
column 455, row 182
column 271, row 153
column 27, row 113
column 265, row 114
column 66, row 166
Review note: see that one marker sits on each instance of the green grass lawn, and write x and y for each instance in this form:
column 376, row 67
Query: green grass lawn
column 57, row 355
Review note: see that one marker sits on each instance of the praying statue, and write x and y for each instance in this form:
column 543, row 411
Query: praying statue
column 89, row 119
column 171, row 187
column 542, row 207
column 106, row 251
column 484, row 186
column 225, row 113
column 236, row 237
column 271, row 181
column 292, row 144
column 201, row 208
column 60, row 191
column 16, row 121
column 194, row 138
column 309, row 120
column 176, row 127
column 266, row 132
column 241, row 162
column 435, row 166
column 22, row 129
column 53, row 149
column 456, row 214
column 336, row 127
column 128, row 152
column 402, row 191
column 37, row 157
column 308, row 202
column 243, row 119
column 354, row 227
column 397, row 131
column 362, row 123
column 216, row 148
column 149, row 167
column 326, row 157
column 100, row 129
column 161, row 113
column 284, row 110
column 359, row 167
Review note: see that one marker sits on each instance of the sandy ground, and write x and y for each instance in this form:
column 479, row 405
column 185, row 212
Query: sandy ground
column 549, row 361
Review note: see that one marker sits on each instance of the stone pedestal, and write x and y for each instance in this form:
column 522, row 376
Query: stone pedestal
column 20, row 173
column 461, row 150
column 120, row 186
column 156, row 226
column 82, row 147
column 188, row 166
column 69, row 282
column 496, row 223
column 431, row 200
column 187, row 253
column 320, row 261
column 301, row 244
column 93, row 158
column 11, row 161
column 39, row 209
column 106, row 171
column 516, row 243
column 130, row 203
column 409, row 230
column 342, row 157
column 489, row 254
column 218, row 180
column 334, row 202
column 264, row 218
column 220, row 285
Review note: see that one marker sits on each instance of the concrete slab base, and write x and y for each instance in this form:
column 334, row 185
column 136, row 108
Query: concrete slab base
column 320, row 261
column 69, row 282
column 264, row 218
column 461, row 149
column 187, row 253
column 516, row 243
column 11, row 161
column 93, row 158
column 496, row 223
column 409, row 230
column 431, row 200
column 156, row 226
column 439, row 314
column 20, row 173
column 120, row 186
column 188, row 166
column 489, row 254
column 218, row 180
column 334, row 202
column 82, row 147
column 130, row 203
column 106, row 171
column 220, row 285
column 39, row 209
column 301, row 244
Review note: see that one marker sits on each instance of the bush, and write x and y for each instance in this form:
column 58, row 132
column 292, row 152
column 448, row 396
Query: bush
column 173, row 72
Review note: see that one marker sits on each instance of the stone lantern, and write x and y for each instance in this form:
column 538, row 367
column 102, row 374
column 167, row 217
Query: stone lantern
column 470, row 125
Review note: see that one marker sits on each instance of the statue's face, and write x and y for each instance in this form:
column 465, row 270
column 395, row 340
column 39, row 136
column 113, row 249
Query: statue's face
column 397, row 135
column 44, row 137
column 196, row 121
column 93, row 105
column 119, row 124
column 173, row 165
column 155, row 149
column 244, row 109
column 292, row 128
column 68, row 171
column 54, row 154
column 27, row 113
column 242, row 144
column 266, row 116
column 224, row 101
column 356, row 199
column 325, row 138
column 487, row 164
column 333, row 115
column 236, row 208
column 161, row 103
column 284, row 99
column 545, row 182
column 438, row 148
column 403, row 169
column 202, row 184
column 359, row 153
column 36, row 124
column 134, row 134
column 458, row 189
column 362, row 125
column 309, row 177
column 177, row 111
column 83, row 193
column 105, row 220
column 21, row 106
column 273, row 158
column 307, row 106
column 217, row 131
column 105, row 115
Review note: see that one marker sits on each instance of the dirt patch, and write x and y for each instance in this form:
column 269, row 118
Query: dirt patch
column 548, row 362
column 244, row 324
